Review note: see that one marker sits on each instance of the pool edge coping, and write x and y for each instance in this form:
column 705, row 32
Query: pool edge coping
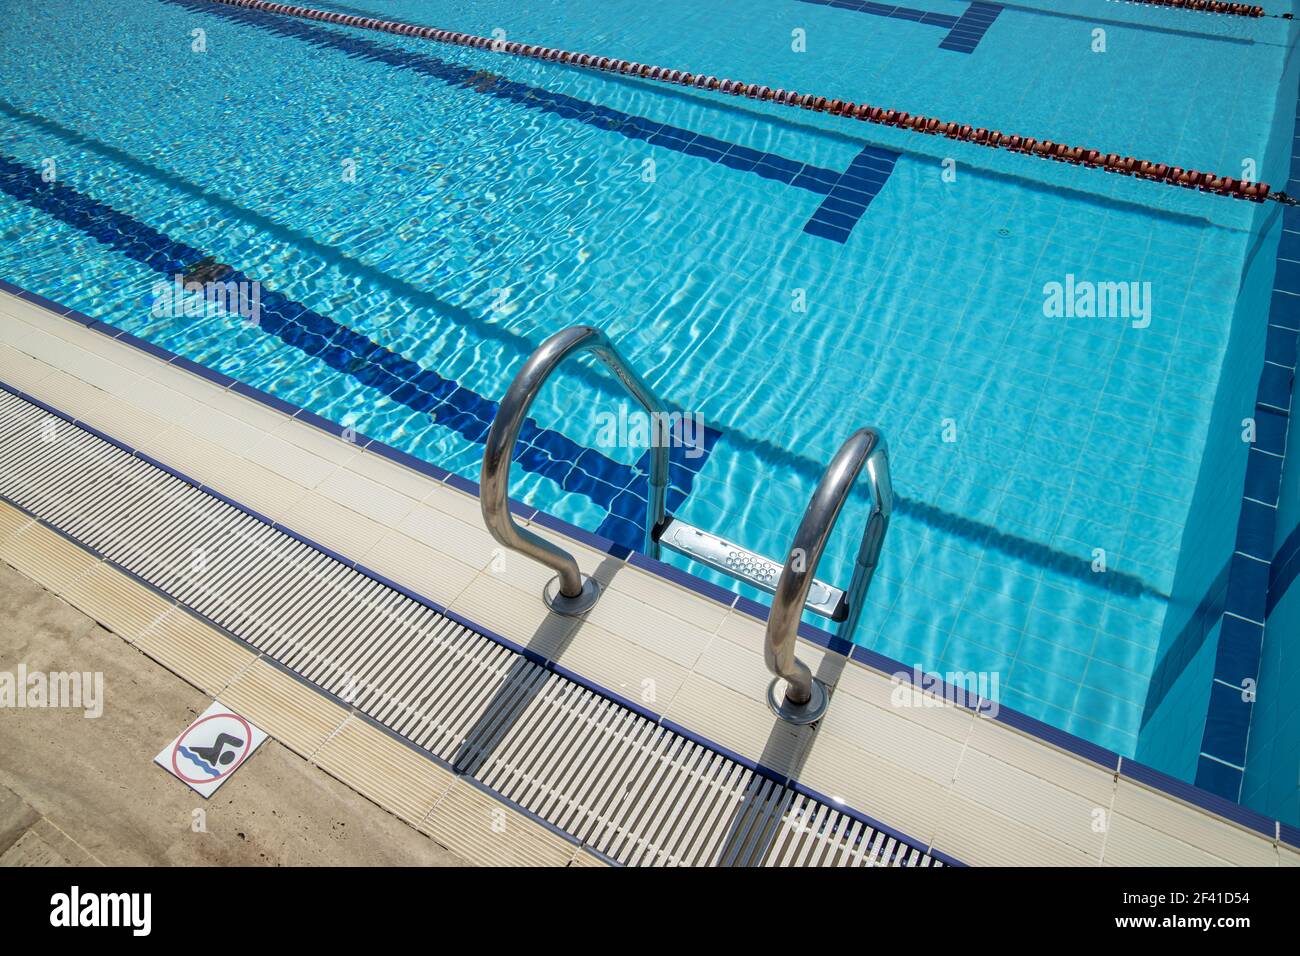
column 1122, row 767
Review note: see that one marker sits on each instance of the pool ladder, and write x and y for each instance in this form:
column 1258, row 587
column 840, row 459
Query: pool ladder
column 794, row 586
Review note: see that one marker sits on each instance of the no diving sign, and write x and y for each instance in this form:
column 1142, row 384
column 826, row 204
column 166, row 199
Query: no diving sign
column 211, row 749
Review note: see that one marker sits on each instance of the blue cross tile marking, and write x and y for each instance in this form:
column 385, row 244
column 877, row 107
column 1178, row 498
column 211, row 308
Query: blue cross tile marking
column 617, row 487
column 852, row 192
column 964, row 32
column 971, row 27
column 857, row 186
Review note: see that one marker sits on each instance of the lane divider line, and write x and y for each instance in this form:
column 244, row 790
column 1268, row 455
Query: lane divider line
column 993, row 139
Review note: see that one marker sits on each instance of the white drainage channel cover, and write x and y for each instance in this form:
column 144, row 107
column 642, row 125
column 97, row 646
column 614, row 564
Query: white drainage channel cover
column 610, row 778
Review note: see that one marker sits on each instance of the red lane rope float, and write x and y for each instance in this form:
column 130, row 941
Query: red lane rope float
column 1207, row 6
column 993, row 139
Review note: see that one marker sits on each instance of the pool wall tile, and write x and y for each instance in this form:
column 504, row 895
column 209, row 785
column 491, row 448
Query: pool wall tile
column 1248, row 642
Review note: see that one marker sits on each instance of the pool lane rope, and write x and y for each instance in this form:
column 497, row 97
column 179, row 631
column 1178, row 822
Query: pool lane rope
column 993, row 139
column 1212, row 6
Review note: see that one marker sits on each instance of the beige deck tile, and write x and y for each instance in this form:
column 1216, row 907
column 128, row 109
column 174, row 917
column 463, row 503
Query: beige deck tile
column 160, row 395
column 246, row 410
column 289, row 461
column 883, row 790
column 1130, row 843
column 71, row 395
column 610, row 660
column 36, row 316
column 47, row 557
column 670, row 598
column 425, row 571
column 391, row 475
column 20, row 370
column 195, row 651
column 319, row 443
column 739, row 723
column 457, row 504
column 366, row 497
column 494, row 603
column 530, row 575
column 1066, row 817
column 751, row 635
column 116, row 601
column 883, row 691
column 977, row 835
column 488, row 833
column 384, row 770
column 126, row 423
column 14, row 330
column 468, row 543
column 11, row 521
column 255, row 487
column 231, row 433
column 893, row 736
column 622, row 666
column 292, row 713
column 735, row 659
column 192, row 456
column 1092, row 782
column 87, row 364
column 668, row 636
column 69, row 357
column 1184, row 824
column 327, row 522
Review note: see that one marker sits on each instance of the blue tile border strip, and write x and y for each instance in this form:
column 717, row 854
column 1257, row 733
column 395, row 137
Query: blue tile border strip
column 964, row 32
column 863, row 656
column 1257, row 578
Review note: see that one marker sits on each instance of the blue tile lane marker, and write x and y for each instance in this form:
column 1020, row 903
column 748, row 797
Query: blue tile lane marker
column 964, row 32
column 847, row 194
column 618, row 488
column 971, row 27
column 852, row 193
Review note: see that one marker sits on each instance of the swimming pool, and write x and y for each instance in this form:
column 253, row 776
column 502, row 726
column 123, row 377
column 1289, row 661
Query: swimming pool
column 421, row 216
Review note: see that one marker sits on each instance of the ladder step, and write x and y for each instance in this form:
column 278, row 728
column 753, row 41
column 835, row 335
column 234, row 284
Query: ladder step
column 745, row 565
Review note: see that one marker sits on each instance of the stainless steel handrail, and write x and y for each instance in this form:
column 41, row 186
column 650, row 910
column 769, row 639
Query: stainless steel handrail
column 805, row 699
column 570, row 592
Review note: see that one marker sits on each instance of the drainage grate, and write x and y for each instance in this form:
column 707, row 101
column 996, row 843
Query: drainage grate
column 608, row 776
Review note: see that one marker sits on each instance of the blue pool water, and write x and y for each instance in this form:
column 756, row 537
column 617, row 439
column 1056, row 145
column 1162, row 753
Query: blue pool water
column 787, row 275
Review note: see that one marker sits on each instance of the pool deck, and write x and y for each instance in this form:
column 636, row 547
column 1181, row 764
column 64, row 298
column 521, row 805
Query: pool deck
column 79, row 792
column 971, row 789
